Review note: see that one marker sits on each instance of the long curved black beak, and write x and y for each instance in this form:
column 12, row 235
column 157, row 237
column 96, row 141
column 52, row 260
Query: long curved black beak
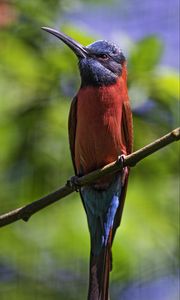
column 78, row 49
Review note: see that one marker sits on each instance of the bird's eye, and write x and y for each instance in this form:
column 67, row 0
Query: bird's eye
column 103, row 56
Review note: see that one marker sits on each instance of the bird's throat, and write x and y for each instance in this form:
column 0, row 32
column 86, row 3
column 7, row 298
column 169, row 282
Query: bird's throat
column 95, row 75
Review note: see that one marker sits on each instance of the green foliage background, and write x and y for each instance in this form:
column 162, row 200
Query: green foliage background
column 47, row 258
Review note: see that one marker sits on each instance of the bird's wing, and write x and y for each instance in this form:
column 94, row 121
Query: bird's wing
column 127, row 135
column 72, row 129
column 127, row 126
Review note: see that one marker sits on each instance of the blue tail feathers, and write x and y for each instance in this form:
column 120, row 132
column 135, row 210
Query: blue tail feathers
column 101, row 207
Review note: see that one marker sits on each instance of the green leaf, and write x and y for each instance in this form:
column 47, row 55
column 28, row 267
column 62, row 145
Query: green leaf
column 144, row 57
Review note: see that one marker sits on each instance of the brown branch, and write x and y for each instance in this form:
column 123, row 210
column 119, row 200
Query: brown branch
column 25, row 212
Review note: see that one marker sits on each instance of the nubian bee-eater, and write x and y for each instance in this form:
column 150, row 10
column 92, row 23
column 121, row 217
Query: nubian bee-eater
column 100, row 131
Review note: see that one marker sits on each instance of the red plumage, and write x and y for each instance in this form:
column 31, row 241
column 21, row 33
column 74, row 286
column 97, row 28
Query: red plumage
column 98, row 139
column 102, row 125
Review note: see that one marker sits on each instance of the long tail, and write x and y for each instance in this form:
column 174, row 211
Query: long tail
column 102, row 211
column 100, row 266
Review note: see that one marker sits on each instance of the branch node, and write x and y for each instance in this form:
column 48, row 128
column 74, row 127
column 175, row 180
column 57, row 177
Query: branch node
column 132, row 164
column 25, row 217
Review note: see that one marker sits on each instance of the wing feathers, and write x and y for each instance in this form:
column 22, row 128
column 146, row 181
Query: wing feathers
column 72, row 121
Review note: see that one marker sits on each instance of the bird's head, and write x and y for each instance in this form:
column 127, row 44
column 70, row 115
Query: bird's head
column 100, row 63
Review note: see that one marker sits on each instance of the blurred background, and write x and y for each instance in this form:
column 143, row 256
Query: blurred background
column 47, row 258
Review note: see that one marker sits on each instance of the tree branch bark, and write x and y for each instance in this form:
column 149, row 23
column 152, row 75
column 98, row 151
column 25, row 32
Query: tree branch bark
column 25, row 212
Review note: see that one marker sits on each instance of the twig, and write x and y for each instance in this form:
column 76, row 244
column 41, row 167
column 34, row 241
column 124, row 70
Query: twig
column 25, row 212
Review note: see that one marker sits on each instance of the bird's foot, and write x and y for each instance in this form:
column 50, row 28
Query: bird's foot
column 73, row 183
column 124, row 171
column 121, row 160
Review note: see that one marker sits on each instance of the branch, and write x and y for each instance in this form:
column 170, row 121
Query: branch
column 25, row 212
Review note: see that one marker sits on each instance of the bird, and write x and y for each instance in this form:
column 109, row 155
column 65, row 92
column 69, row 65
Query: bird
column 100, row 132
